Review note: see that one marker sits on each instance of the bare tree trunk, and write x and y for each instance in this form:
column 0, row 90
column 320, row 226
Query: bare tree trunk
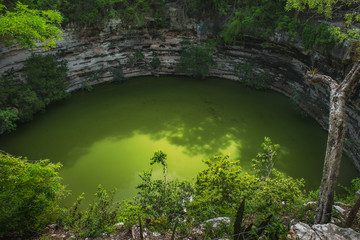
column 332, row 159
column 339, row 93
column 353, row 211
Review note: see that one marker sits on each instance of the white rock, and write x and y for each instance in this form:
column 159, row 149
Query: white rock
column 119, row 226
column 340, row 210
column 324, row 232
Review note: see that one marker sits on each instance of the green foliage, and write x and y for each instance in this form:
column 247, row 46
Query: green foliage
column 222, row 185
column 160, row 20
column 251, row 79
column 196, row 60
column 86, row 86
column 159, row 157
column 29, row 194
column 210, row 8
column 46, row 77
column 155, row 62
column 98, row 218
column 219, row 230
column 88, row 12
column 27, row 27
column 163, row 200
column 288, row 24
column 7, row 120
column 238, row 228
column 18, row 101
column 316, row 36
column 136, row 57
column 259, row 17
column 327, row 8
column 44, row 84
column 118, row 74
column 264, row 162
column 348, row 196
column 217, row 188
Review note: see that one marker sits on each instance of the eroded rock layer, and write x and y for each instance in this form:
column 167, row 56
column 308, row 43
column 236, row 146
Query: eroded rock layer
column 95, row 59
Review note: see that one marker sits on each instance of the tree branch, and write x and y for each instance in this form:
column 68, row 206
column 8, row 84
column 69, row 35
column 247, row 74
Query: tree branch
column 350, row 81
column 320, row 78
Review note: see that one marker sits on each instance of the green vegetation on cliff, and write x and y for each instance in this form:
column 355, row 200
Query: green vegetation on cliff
column 29, row 195
column 45, row 83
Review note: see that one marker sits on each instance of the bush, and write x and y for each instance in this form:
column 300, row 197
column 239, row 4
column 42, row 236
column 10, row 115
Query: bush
column 251, row 79
column 7, row 120
column 44, row 84
column 29, row 194
column 98, row 218
column 16, row 95
column 196, row 60
column 161, row 199
column 317, row 36
column 118, row 74
column 46, row 77
column 222, row 185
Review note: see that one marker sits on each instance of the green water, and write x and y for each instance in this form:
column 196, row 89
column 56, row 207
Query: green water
column 107, row 136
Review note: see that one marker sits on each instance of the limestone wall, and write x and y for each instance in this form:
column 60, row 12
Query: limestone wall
column 93, row 59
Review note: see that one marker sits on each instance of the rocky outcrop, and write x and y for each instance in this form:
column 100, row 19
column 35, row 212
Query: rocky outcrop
column 94, row 59
column 328, row 231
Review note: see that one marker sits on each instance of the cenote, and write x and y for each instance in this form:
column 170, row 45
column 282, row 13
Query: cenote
column 108, row 135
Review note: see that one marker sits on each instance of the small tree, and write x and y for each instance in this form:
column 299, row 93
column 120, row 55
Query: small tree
column 196, row 60
column 29, row 194
column 26, row 27
column 46, row 76
column 160, row 157
column 263, row 164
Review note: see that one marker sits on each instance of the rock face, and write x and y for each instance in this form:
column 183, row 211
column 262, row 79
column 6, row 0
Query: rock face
column 94, row 59
column 328, row 231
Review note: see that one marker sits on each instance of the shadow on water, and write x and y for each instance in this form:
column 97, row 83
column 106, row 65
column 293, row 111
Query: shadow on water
column 108, row 135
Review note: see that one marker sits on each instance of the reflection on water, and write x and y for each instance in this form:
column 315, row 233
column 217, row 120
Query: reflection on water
column 107, row 136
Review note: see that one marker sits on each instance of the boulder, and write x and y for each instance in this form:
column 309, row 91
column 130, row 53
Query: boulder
column 328, row 231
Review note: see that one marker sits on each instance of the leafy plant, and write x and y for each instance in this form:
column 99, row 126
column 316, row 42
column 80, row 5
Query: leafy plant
column 7, row 120
column 162, row 199
column 118, row 74
column 155, row 62
column 251, row 79
column 196, row 60
column 29, row 195
column 26, row 27
column 46, row 77
column 98, row 218
column 16, row 95
column 316, row 36
column 264, row 162
column 288, row 24
column 136, row 57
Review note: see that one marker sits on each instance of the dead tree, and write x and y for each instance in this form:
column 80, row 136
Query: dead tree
column 339, row 94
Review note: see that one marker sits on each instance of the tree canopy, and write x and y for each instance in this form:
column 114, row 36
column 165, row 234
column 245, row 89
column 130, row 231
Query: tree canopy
column 27, row 27
column 348, row 9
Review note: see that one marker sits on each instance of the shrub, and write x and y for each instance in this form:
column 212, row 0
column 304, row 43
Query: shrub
column 196, row 60
column 118, row 74
column 46, row 77
column 162, row 199
column 251, row 79
column 98, row 218
column 155, row 62
column 29, row 194
column 316, row 36
column 222, row 185
column 7, row 120
column 18, row 96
